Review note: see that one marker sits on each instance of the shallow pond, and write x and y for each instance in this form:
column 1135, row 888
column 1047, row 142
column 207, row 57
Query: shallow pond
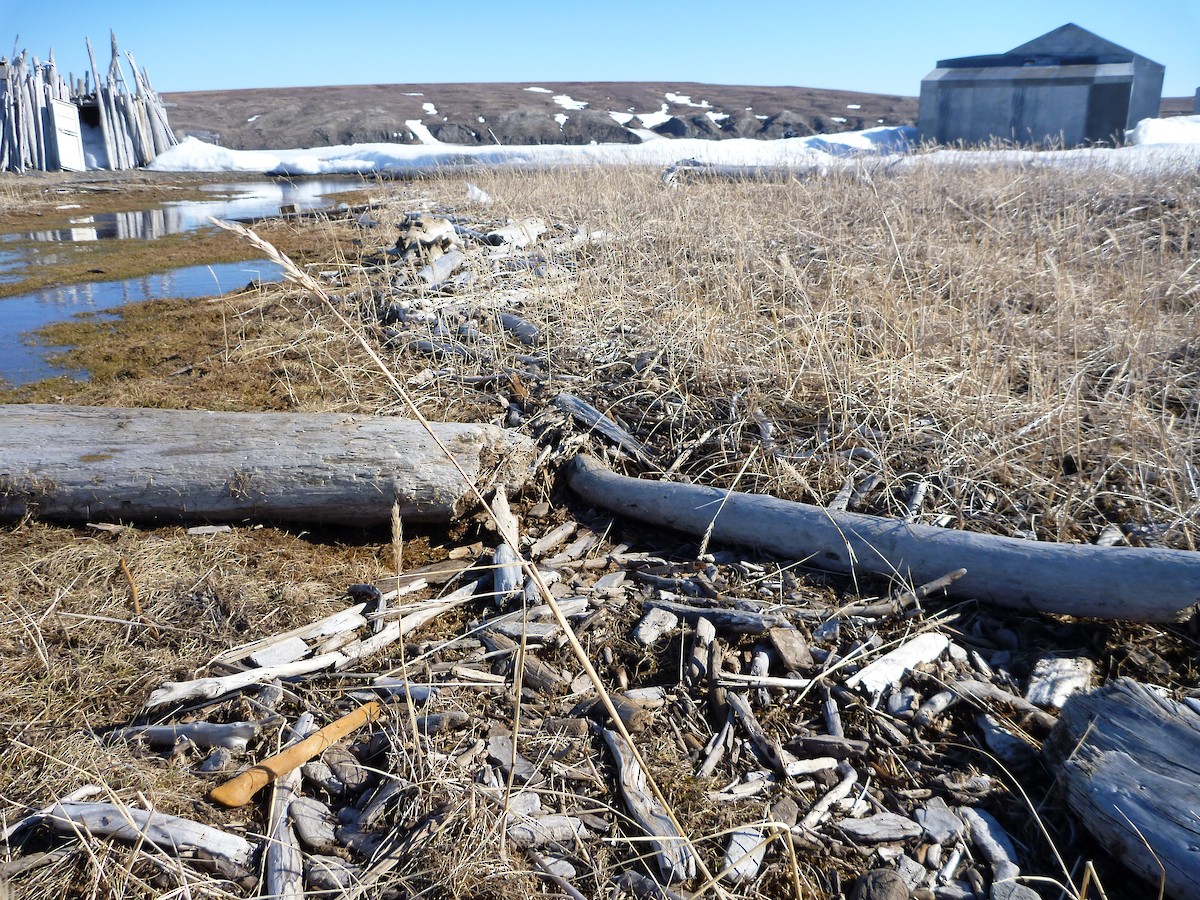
column 22, row 362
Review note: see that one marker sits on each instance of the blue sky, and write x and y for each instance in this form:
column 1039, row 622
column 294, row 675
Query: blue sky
column 883, row 47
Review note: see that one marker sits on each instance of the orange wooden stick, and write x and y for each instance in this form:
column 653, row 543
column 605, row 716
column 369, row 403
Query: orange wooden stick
column 238, row 790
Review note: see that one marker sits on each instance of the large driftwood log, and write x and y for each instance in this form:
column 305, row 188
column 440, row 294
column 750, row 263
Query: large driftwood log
column 1142, row 584
column 73, row 462
column 1128, row 758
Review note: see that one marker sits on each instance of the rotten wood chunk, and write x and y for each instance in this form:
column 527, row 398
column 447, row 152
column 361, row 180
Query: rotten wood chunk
column 744, row 854
column 536, row 831
column 503, row 753
column 793, row 649
column 1055, row 679
column 881, row 828
column 313, row 822
column 653, row 625
column 890, row 668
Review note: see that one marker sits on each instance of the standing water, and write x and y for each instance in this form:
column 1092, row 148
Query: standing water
column 21, row 362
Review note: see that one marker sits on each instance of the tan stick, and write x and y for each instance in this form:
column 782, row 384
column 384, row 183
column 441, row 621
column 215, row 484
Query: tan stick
column 238, row 790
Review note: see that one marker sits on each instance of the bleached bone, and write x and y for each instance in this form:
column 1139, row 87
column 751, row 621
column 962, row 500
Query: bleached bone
column 170, row 834
column 232, row 736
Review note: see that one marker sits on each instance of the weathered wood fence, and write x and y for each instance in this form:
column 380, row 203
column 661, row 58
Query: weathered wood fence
column 41, row 114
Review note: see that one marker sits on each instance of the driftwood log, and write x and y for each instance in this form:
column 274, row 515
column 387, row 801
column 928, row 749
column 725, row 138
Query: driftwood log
column 1141, row 584
column 1128, row 757
column 72, row 462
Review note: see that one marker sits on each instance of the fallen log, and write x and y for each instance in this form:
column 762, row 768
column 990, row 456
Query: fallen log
column 1127, row 756
column 1131, row 583
column 78, row 463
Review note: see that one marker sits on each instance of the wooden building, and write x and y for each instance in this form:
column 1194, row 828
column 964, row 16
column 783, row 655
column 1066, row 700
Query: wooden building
column 45, row 118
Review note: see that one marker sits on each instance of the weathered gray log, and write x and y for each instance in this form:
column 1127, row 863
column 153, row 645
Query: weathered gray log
column 1128, row 758
column 1139, row 584
column 73, row 462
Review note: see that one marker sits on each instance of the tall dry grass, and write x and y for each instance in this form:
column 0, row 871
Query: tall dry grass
column 1024, row 342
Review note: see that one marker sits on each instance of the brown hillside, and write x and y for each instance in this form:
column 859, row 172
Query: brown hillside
column 272, row 118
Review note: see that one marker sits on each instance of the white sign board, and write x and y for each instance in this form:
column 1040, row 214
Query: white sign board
column 68, row 141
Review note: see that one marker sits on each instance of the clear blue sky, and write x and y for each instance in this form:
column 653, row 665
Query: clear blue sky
column 883, row 47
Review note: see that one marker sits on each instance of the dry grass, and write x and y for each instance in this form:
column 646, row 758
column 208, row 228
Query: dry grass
column 1023, row 342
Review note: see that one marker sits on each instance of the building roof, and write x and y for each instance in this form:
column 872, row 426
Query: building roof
column 1071, row 40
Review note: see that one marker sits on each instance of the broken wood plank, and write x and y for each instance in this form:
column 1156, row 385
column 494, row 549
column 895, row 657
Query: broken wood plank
column 1133, row 583
column 1127, row 755
column 673, row 851
column 80, row 463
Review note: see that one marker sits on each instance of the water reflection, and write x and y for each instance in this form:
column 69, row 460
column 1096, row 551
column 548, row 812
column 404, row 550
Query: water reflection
column 21, row 363
column 249, row 200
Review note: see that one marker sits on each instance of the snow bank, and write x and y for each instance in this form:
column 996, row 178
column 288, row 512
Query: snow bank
column 1155, row 145
column 1177, row 130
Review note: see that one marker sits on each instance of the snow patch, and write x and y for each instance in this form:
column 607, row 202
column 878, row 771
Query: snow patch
column 413, row 94
column 841, row 120
column 429, row 108
column 686, row 100
column 539, row 90
column 853, row 106
column 567, row 103
column 716, row 116
column 561, row 119
column 252, row 118
column 621, row 118
column 653, row 119
column 417, row 127
column 1157, row 146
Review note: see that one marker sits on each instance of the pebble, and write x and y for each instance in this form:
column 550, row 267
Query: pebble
column 313, row 823
column 330, row 873
column 880, row 884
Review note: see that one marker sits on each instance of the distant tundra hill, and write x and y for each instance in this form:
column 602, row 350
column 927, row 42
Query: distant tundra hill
column 522, row 113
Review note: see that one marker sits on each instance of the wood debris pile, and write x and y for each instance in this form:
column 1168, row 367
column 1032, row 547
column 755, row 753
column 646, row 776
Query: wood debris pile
column 574, row 704
column 871, row 734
